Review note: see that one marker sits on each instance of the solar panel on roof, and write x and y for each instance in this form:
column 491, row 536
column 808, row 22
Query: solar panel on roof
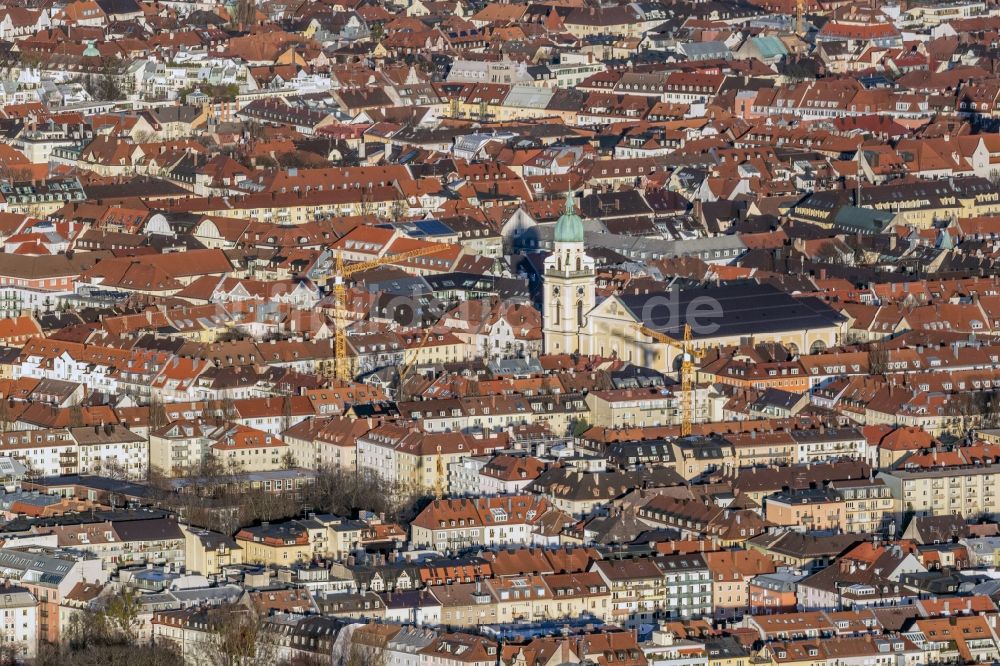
column 433, row 227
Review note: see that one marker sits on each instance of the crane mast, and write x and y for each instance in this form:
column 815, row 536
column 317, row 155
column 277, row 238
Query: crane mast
column 687, row 370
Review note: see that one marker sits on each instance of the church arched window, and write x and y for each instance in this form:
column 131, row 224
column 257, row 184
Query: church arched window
column 557, row 314
column 579, row 314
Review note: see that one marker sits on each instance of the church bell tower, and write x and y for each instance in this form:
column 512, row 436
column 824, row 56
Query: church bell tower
column 569, row 286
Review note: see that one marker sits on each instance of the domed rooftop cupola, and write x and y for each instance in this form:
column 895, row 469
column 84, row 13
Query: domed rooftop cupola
column 569, row 228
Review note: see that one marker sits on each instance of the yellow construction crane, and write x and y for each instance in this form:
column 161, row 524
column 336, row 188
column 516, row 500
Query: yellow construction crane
column 341, row 369
column 688, row 355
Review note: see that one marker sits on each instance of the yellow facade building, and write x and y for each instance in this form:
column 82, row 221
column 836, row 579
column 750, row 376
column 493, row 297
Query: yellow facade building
column 208, row 552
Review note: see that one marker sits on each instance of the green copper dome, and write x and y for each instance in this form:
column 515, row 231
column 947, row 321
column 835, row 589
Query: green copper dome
column 91, row 50
column 569, row 228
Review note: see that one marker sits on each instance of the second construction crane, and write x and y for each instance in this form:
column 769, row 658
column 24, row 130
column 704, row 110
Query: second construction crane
column 687, row 371
column 342, row 368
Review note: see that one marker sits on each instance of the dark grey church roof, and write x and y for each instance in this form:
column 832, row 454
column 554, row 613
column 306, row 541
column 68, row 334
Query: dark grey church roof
column 746, row 308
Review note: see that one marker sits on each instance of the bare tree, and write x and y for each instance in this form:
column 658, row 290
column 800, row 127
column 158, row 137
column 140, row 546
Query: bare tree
column 13, row 172
column 157, row 412
column 114, row 469
column 238, row 637
column 878, row 359
column 122, row 616
column 257, row 504
column 76, row 416
column 216, row 498
column 344, row 493
column 366, row 650
column 10, row 654
column 210, row 471
column 108, row 655
column 988, row 403
column 228, row 408
column 103, row 84
column 969, row 410
column 244, row 14
column 102, row 636
column 286, row 413
column 159, row 481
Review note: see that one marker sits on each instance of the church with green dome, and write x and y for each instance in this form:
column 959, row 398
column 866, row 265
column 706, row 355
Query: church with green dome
column 569, row 285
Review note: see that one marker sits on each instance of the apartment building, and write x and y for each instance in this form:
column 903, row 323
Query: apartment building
column 417, row 459
column 180, row 446
column 821, row 444
column 966, row 490
column 465, row 604
column 322, row 535
column 859, row 506
column 19, row 621
column 809, row 509
column 49, row 574
column 248, row 449
column 732, row 572
column 687, row 587
column 520, row 598
column 579, row 594
column 773, row 593
column 806, row 445
column 45, row 451
column 620, row 408
column 637, row 589
column 488, row 521
column 207, row 552
column 868, row 505
column 284, row 543
column 111, row 449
